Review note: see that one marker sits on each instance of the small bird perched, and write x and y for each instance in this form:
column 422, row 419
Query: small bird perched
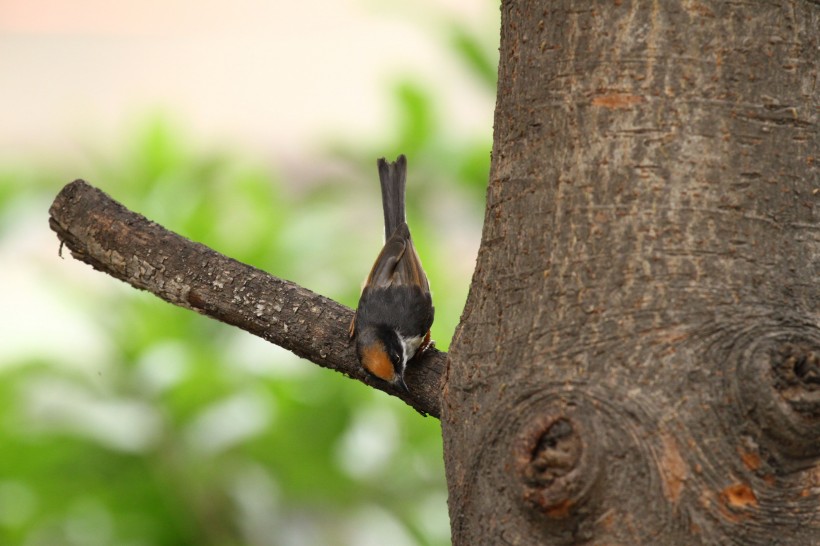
column 392, row 322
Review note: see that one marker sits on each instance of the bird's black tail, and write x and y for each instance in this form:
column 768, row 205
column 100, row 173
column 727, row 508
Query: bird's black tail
column 393, row 177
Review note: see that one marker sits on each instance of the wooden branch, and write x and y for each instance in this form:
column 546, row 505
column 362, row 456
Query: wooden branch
column 112, row 239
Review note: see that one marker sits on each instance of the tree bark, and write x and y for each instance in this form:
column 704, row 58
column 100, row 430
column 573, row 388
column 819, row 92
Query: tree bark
column 638, row 360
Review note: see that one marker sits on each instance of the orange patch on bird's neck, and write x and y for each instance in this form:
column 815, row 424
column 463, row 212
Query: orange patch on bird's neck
column 375, row 360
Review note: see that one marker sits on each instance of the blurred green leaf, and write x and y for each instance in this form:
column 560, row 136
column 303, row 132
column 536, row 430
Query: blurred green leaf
column 477, row 53
column 417, row 123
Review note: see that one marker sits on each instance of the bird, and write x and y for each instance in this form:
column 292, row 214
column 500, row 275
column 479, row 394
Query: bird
column 392, row 322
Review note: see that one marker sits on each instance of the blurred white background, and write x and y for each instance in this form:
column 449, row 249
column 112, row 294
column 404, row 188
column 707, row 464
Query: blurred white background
column 270, row 75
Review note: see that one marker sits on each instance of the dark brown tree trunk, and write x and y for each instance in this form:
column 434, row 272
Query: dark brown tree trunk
column 638, row 358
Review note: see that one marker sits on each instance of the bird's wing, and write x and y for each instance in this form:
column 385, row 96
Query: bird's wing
column 398, row 263
column 384, row 269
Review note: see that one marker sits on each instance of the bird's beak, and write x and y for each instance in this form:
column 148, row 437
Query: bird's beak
column 402, row 383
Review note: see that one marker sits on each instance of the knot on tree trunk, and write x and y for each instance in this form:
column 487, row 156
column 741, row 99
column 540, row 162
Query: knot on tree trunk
column 553, row 459
column 796, row 370
column 741, row 446
column 779, row 382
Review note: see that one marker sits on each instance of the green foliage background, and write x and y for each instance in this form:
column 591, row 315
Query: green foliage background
column 183, row 431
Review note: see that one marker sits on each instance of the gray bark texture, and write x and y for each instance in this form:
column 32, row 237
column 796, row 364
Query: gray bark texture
column 638, row 360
